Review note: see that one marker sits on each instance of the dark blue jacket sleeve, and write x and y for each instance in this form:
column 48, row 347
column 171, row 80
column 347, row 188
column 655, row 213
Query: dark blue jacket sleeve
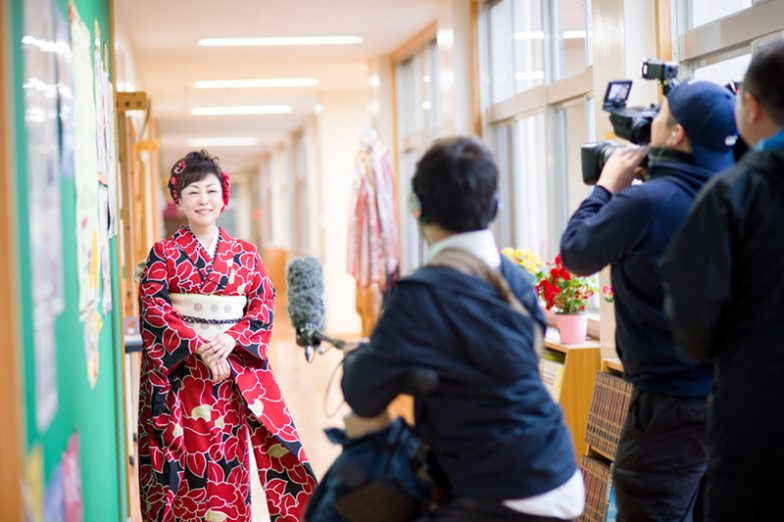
column 697, row 272
column 604, row 229
column 375, row 373
column 530, row 301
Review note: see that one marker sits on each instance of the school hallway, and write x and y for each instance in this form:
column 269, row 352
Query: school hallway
column 308, row 120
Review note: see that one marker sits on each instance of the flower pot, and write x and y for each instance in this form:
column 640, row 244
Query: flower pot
column 572, row 327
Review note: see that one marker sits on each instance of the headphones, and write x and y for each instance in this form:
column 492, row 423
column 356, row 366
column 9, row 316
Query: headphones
column 415, row 206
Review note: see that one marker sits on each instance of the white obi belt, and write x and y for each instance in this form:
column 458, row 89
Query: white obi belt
column 209, row 315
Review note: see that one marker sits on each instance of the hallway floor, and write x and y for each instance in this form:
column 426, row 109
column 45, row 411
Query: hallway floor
column 304, row 387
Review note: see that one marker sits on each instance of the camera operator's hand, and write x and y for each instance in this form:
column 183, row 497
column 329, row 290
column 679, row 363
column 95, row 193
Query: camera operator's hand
column 621, row 168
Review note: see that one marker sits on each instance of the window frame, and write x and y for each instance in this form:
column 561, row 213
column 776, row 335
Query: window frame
column 546, row 99
column 409, row 71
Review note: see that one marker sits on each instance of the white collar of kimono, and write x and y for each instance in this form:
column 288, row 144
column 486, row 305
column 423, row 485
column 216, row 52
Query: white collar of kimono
column 480, row 243
column 213, row 244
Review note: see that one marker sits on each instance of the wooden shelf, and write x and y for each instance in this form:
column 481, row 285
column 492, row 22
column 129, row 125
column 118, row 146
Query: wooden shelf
column 595, row 451
column 581, row 362
column 612, row 366
column 553, row 344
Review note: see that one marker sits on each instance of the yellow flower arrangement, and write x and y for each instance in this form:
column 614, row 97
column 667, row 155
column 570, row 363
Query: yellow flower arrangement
column 526, row 259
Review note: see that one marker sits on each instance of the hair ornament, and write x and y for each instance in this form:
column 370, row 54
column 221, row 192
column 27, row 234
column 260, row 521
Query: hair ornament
column 226, row 185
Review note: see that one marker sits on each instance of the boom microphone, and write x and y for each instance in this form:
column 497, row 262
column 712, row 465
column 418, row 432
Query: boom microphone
column 304, row 279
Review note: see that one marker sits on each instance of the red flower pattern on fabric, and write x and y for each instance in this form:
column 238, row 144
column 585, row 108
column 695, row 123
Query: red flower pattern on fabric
column 193, row 432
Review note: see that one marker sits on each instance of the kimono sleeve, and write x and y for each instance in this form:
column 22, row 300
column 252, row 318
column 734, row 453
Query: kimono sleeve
column 253, row 332
column 168, row 340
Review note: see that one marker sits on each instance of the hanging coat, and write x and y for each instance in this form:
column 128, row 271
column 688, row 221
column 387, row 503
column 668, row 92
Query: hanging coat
column 193, row 431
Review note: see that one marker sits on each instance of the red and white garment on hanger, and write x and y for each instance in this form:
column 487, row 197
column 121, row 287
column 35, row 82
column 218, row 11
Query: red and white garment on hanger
column 372, row 237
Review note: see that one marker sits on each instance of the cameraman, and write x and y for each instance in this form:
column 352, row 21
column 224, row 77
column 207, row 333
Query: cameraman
column 661, row 456
column 499, row 446
column 725, row 299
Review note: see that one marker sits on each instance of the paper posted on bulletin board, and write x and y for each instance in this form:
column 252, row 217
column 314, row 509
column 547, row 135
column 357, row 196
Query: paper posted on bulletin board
column 95, row 179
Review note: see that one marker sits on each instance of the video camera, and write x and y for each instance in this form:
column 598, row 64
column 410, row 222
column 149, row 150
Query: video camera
column 630, row 123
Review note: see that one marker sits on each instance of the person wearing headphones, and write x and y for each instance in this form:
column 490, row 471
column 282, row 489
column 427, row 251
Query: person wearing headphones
column 499, row 446
column 661, row 457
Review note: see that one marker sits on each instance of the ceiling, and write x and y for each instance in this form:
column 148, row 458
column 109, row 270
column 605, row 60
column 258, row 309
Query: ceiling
column 163, row 36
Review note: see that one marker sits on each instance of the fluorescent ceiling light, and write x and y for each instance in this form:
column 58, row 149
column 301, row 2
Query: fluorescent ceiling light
column 573, row 35
column 529, row 35
column 280, row 41
column 241, row 109
column 223, row 142
column 257, row 82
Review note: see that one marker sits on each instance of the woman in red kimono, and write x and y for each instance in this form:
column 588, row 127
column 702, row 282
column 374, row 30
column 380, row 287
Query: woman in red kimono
column 206, row 384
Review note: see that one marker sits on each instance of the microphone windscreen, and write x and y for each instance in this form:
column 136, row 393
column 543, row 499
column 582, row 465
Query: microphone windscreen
column 305, row 282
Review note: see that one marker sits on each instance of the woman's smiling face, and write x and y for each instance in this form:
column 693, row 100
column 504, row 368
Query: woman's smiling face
column 202, row 201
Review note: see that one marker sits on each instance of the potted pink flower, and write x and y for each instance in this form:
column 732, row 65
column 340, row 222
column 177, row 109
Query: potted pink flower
column 567, row 295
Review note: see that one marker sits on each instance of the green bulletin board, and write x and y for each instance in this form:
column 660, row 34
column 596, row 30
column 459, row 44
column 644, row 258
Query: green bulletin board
column 96, row 414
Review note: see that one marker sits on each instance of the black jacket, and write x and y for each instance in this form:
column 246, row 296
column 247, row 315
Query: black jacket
column 630, row 230
column 724, row 277
column 494, row 430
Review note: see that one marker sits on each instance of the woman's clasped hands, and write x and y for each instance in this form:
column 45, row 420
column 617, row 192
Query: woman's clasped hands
column 215, row 354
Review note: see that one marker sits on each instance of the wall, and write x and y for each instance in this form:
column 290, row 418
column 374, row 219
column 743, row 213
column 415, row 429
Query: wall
column 262, row 224
column 382, row 98
column 340, row 124
column 280, row 207
column 314, row 182
column 93, row 413
column 458, row 69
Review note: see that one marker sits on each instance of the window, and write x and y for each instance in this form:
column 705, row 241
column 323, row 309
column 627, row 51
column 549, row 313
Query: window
column 577, row 132
column 419, row 113
column 503, row 140
column 571, row 37
column 299, row 206
column 714, row 35
column 721, row 50
column 528, row 45
column 575, row 117
column 704, row 11
column 501, row 50
column 724, row 71
column 530, row 181
column 534, row 57
column 413, row 252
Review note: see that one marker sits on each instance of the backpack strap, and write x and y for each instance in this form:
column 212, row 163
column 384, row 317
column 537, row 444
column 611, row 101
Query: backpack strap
column 467, row 263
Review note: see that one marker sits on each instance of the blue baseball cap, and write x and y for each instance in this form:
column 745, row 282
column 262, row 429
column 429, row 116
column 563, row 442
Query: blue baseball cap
column 706, row 111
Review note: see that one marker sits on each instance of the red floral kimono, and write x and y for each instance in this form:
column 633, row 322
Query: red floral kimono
column 193, row 431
